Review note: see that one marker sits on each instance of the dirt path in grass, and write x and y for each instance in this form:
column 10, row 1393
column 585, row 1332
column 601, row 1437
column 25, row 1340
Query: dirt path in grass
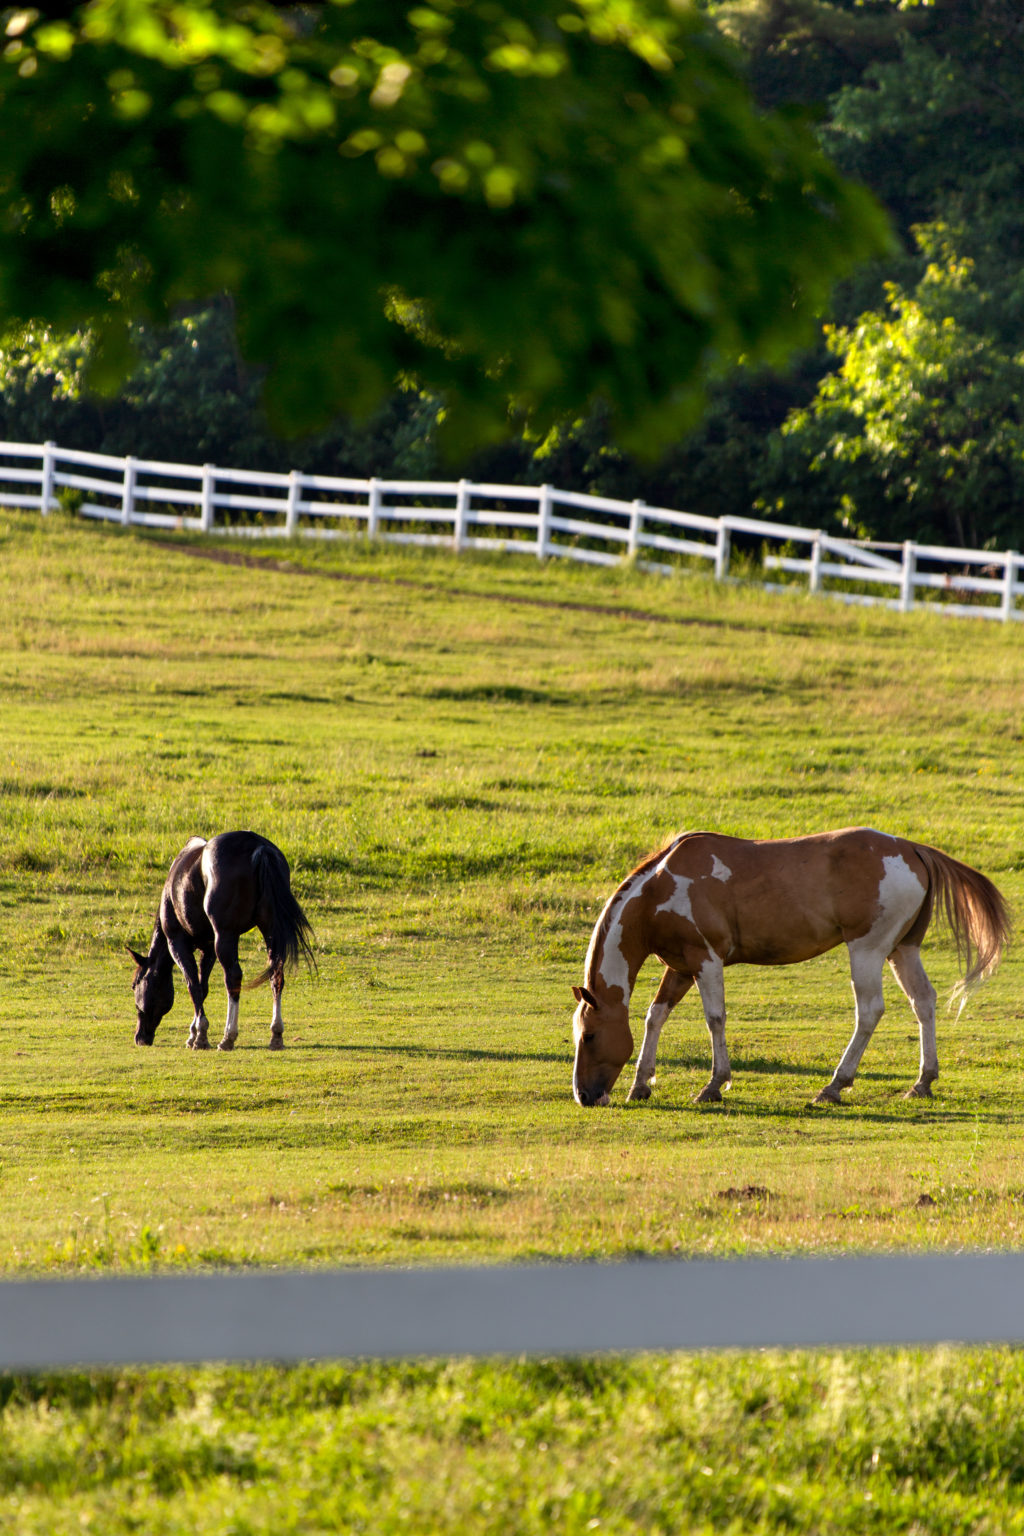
column 292, row 568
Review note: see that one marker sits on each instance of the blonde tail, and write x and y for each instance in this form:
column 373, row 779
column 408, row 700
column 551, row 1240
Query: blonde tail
column 976, row 913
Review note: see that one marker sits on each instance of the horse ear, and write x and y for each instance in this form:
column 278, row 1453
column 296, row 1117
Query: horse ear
column 584, row 995
column 140, row 960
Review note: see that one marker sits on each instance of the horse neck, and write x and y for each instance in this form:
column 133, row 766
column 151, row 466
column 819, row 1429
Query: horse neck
column 159, row 954
column 617, row 949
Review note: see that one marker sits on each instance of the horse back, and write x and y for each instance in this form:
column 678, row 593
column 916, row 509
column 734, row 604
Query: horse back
column 778, row 901
column 235, row 888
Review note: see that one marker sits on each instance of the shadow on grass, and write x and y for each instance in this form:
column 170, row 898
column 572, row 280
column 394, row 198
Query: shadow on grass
column 453, row 1053
column 901, row 1112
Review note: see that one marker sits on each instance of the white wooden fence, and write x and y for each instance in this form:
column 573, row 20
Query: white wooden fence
column 527, row 1309
column 537, row 520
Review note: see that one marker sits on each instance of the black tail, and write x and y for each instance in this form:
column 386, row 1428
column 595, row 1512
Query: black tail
column 291, row 932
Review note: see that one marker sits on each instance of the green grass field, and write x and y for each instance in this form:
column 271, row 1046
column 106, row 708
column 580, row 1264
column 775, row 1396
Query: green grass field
column 461, row 758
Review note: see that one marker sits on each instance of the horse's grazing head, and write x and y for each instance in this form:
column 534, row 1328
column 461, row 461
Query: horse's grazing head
column 603, row 1046
column 154, row 995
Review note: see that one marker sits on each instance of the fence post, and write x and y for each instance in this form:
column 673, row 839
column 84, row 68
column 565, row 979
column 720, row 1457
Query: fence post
column 373, row 509
column 1006, row 606
column 636, row 518
column 814, row 575
column 543, row 520
column 907, row 576
column 206, row 506
column 291, row 517
column 461, row 511
column 722, row 551
column 46, row 479
column 128, row 490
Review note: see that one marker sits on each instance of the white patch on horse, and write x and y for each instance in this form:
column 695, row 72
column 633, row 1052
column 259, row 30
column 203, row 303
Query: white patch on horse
column 719, row 871
column 900, row 890
column 657, row 1013
column 614, row 967
column 679, row 902
column 230, row 1025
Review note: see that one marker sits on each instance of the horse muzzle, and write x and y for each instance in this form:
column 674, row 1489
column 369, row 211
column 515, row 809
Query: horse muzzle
column 587, row 1098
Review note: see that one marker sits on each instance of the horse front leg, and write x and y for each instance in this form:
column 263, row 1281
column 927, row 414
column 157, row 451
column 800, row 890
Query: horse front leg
column 710, row 981
column 672, row 989
column 226, row 947
column 197, row 983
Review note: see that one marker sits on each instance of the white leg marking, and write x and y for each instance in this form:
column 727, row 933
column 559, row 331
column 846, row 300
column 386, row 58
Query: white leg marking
column 711, row 986
column 910, row 973
column 231, row 1026
column 657, row 1013
column 197, row 1033
column 276, row 1024
column 866, row 961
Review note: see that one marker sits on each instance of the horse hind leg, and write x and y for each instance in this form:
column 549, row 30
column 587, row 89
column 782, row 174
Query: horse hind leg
column 910, row 973
column 277, row 1022
column 866, row 962
column 227, row 953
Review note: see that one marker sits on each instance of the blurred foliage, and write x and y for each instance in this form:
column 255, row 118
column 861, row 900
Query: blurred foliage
column 918, row 434
column 805, row 50
column 552, row 201
column 901, row 418
column 191, row 397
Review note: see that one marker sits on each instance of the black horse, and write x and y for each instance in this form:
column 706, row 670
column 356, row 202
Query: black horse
column 214, row 892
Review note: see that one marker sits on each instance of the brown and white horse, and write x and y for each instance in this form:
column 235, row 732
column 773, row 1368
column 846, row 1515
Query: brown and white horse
column 708, row 901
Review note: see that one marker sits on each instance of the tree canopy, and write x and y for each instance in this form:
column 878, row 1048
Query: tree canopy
column 549, row 201
column 919, row 433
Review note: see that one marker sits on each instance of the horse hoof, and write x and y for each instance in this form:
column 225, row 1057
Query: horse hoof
column 827, row 1095
column 639, row 1093
column 276, row 1043
column 226, row 1045
column 919, row 1091
column 709, row 1095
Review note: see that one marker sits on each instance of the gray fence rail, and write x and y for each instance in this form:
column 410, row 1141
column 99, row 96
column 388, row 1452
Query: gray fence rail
column 570, row 1309
column 533, row 520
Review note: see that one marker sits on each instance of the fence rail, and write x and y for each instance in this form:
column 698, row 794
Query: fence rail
column 534, row 520
column 569, row 1309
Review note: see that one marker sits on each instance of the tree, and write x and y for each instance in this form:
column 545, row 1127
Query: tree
column 920, row 432
column 804, row 51
column 550, row 200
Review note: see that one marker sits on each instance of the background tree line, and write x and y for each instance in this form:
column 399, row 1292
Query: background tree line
column 904, row 419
